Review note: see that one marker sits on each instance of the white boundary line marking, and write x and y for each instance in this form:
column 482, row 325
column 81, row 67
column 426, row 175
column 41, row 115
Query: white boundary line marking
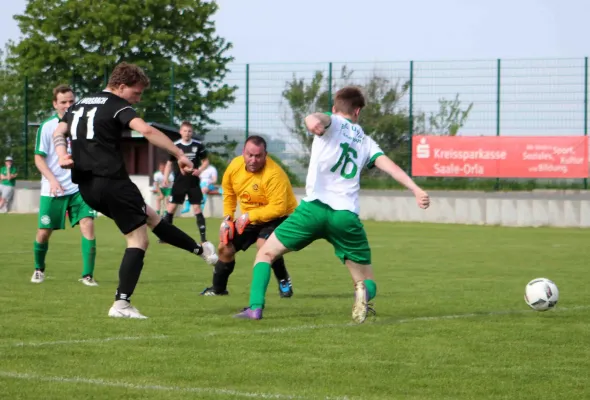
column 127, row 385
column 289, row 328
column 109, row 339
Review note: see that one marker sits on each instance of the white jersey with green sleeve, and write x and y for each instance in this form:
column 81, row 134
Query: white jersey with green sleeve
column 159, row 179
column 337, row 158
column 44, row 147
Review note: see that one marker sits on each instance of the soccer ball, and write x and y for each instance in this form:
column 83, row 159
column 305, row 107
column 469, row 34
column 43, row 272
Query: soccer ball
column 541, row 294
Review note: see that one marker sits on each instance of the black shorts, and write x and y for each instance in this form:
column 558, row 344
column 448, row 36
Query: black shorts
column 180, row 192
column 254, row 232
column 118, row 199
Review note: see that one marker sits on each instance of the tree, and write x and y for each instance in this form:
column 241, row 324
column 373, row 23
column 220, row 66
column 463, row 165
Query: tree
column 447, row 121
column 80, row 41
column 11, row 114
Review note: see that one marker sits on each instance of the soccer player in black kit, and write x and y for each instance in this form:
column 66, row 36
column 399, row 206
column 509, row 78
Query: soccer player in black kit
column 187, row 185
column 95, row 125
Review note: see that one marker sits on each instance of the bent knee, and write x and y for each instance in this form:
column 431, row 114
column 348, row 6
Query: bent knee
column 226, row 251
column 268, row 252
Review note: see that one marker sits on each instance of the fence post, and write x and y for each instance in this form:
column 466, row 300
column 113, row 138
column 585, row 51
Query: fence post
column 106, row 75
column 498, row 73
column 26, row 125
column 411, row 118
column 586, row 108
column 172, row 83
column 330, row 101
column 74, row 79
column 247, row 100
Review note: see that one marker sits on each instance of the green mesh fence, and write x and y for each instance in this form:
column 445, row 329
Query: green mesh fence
column 489, row 97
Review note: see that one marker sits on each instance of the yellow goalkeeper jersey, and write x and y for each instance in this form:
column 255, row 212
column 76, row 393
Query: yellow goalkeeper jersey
column 264, row 195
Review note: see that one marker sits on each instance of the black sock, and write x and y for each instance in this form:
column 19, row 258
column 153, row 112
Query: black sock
column 168, row 217
column 129, row 272
column 279, row 269
column 201, row 225
column 172, row 235
column 221, row 275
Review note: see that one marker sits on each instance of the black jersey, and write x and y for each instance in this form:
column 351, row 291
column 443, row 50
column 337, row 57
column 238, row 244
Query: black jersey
column 96, row 123
column 194, row 151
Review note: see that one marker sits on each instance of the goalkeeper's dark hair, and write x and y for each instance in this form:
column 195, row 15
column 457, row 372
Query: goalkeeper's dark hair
column 257, row 140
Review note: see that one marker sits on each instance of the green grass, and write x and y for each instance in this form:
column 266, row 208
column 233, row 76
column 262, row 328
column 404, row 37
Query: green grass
column 191, row 348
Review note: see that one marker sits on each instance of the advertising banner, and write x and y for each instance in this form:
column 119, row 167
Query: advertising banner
column 500, row 156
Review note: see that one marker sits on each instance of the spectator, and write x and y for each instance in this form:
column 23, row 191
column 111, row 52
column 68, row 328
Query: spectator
column 8, row 176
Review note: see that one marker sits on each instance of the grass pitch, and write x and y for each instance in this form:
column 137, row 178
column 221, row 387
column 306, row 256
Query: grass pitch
column 451, row 323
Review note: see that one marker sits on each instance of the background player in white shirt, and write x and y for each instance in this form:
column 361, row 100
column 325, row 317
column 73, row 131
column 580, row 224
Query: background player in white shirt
column 162, row 187
column 59, row 196
column 208, row 183
column 330, row 209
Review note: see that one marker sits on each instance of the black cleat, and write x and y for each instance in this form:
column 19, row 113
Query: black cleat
column 211, row 292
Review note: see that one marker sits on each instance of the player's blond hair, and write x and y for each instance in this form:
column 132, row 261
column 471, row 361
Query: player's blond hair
column 348, row 99
column 128, row 75
column 59, row 89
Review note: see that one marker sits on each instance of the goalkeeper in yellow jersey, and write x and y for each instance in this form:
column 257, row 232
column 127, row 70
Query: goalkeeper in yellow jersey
column 266, row 199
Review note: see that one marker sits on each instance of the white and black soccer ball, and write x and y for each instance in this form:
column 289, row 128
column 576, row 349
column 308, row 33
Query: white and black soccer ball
column 541, row 294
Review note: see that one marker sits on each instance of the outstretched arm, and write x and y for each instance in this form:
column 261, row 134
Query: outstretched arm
column 386, row 165
column 159, row 139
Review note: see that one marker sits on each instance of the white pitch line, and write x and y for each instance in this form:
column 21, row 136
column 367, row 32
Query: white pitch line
column 292, row 328
column 127, row 385
column 99, row 340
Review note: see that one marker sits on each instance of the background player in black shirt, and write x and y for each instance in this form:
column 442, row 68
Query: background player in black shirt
column 187, row 185
column 96, row 124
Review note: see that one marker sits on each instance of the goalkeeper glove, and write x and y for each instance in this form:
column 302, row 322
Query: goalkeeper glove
column 226, row 231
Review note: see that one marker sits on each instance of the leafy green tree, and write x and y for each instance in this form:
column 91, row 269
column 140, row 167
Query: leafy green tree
column 78, row 42
column 447, row 121
column 11, row 116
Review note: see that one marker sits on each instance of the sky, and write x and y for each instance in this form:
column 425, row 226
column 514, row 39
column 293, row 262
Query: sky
column 384, row 30
column 299, row 37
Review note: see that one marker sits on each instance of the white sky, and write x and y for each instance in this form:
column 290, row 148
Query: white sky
column 346, row 30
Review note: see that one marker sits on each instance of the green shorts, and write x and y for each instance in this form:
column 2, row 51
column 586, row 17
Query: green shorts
column 315, row 220
column 166, row 191
column 52, row 211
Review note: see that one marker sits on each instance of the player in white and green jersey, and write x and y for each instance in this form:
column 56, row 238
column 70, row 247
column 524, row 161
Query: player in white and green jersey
column 59, row 196
column 330, row 208
column 162, row 190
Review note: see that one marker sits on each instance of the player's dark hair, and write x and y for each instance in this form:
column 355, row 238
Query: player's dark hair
column 186, row 123
column 348, row 99
column 257, row 140
column 129, row 75
column 61, row 89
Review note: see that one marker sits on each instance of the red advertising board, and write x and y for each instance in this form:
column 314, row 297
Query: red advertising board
column 500, row 156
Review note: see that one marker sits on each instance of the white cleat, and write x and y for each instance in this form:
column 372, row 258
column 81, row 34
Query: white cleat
column 88, row 281
column 209, row 254
column 360, row 306
column 38, row 276
column 124, row 309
